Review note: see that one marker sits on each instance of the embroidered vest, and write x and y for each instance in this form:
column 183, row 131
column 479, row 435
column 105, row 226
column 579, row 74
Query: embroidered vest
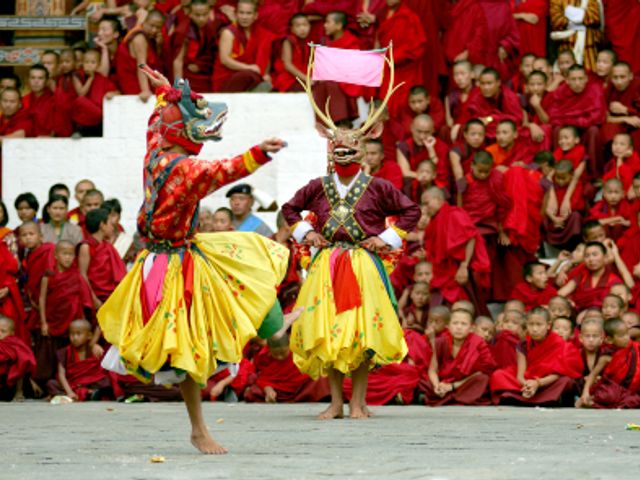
column 343, row 209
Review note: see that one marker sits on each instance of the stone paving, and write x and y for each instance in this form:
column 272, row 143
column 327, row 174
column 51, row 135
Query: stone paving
column 106, row 440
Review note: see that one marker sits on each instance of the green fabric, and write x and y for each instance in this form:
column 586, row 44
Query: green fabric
column 272, row 322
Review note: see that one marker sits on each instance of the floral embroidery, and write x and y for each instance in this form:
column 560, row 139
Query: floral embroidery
column 316, row 303
column 335, row 331
column 377, row 320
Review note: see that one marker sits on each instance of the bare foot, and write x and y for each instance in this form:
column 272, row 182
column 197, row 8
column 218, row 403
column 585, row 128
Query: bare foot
column 332, row 411
column 366, row 410
column 207, row 445
column 358, row 412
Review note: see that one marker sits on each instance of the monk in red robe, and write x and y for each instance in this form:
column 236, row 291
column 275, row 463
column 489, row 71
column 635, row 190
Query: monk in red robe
column 16, row 361
column 521, row 228
column 535, row 290
column 625, row 162
column 292, row 62
column 590, row 282
column 503, row 40
column 80, row 375
column 10, row 298
column 492, row 103
column 580, row 103
column 98, row 260
column 194, row 45
column 511, row 333
column 510, row 148
column 38, row 260
column 342, row 96
column 623, row 104
column 137, row 48
column 454, row 246
column 613, row 212
column 617, row 369
column 64, row 95
column 39, row 103
column 460, row 367
column 87, row 106
column 278, row 380
column 546, row 367
column 375, row 164
column 465, row 37
column 563, row 230
column 620, row 28
column 421, row 102
column 244, row 52
column 482, row 195
column 399, row 25
column 531, row 19
column 317, row 11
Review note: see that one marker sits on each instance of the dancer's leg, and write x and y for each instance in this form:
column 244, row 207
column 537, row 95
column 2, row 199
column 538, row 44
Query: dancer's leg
column 335, row 409
column 358, row 406
column 200, row 437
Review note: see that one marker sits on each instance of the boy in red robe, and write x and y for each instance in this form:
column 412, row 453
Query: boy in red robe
column 341, row 96
column 98, row 260
column 10, row 298
column 456, row 99
column 64, row 297
column 244, row 52
column 570, row 148
column 509, row 148
column 423, row 145
column 399, row 25
column 545, row 371
column 536, row 101
column 87, row 106
column 503, row 40
column 16, row 362
column 456, row 250
column 508, row 336
column 531, row 19
column 492, row 103
column 278, row 380
column 420, row 102
column 375, row 164
column 623, row 104
column 15, row 121
column 38, row 260
column 625, row 163
column 80, row 375
column 613, row 212
column 138, row 48
column 460, row 367
column 563, row 230
column 462, row 153
column 580, row 103
column 592, row 281
column 535, row 290
column 618, row 366
column 194, row 45
column 64, row 94
column 294, row 56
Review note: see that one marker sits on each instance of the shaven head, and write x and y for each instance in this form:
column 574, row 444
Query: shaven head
column 481, row 165
column 439, row 318
column 279, row 346
column 577, row 78
column 464, row 305
column 515, row 306
column 433, row 200
column 485, row 327
column 7, row 327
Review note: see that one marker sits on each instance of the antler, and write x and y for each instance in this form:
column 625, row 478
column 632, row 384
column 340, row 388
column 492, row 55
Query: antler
column 374, row 114
column 325, row 117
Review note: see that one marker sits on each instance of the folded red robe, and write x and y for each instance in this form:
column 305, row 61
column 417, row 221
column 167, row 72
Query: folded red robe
column 68, row 299
column 620, row 383
column 504, row 349
column 106, row 268
column 11, row 305
column 531, row 296
column 36, row 264
column 82, row 375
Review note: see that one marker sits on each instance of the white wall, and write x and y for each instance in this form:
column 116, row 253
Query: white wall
column 114, row 162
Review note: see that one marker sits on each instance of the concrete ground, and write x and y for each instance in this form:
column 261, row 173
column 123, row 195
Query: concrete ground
column 116, row 441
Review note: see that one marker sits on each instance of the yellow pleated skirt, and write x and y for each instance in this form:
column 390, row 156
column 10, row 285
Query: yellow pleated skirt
column 235, row 276
column 322, row 339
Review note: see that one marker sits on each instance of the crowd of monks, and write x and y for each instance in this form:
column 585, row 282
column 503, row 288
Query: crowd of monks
column 517, row 131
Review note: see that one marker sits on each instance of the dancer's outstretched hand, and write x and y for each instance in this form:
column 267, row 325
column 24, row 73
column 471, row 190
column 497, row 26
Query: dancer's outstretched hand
column 156, row 79
column 272, row 145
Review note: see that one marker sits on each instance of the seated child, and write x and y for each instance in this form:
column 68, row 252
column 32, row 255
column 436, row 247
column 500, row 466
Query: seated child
column 511, row 333
column 535, row 290
column 414, row 315
column 570, row 148
column 16, row 362
column 460, row 367
column 278, row 380
column 632, row 321
column 591, row 338
column 625, row 163
column 546, row 367
column 612, row 307
column 437, row 322
column 413, row 271
column 615, row 380
column 562, row 225
column 425, row 178
column 516, row 305
column 80, row 376
column 613, row 212
column 485, row 328
column 563, row 326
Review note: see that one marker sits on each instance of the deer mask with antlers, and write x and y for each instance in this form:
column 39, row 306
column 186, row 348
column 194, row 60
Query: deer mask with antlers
column 346, row 146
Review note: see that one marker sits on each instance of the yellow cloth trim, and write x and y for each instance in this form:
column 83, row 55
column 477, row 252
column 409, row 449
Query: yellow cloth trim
column 321, row 340
column 250, row 162
column 160, row 101
column 401, row 233
column 234, row 286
